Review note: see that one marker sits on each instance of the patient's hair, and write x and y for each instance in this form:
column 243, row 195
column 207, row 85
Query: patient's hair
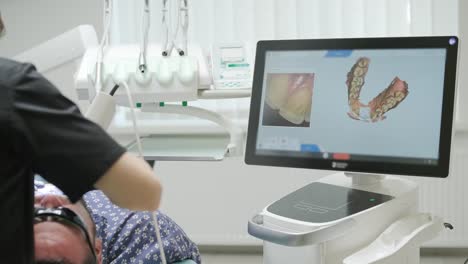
column 89, row 260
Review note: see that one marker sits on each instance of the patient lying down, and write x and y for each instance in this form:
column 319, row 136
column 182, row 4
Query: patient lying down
column 106, row 234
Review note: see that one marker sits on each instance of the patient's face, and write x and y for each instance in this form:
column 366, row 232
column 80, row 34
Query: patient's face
column 59, row 240
column 55, row 241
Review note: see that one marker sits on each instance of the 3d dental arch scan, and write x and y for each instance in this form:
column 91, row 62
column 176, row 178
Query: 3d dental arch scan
column 320, row 104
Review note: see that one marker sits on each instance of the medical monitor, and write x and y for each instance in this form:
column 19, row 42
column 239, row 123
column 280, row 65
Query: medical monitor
column 369, row 105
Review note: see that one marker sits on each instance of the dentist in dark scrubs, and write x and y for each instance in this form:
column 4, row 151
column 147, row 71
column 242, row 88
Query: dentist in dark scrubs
column 44, row 133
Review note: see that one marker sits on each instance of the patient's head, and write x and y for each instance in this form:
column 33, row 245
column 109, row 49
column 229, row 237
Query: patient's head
column 59, row 241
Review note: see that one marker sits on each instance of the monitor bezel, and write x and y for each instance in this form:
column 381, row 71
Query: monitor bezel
column 441, row 170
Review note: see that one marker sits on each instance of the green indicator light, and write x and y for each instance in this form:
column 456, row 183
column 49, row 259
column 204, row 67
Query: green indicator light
column 138, row 105
column 372, row 199
column 184, row 103
column 235, row 65
column 161, row 104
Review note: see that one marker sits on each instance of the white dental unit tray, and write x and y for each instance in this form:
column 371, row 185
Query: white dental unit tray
column 183, row 148
column 121, row 62
column 354, row 106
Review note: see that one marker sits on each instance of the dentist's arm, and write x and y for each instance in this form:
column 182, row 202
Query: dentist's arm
column 70, row 151
column 131, row 183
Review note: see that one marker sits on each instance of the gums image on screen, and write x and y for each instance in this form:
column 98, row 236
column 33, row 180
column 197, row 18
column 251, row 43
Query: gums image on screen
column 288, row 99
column 388, row 99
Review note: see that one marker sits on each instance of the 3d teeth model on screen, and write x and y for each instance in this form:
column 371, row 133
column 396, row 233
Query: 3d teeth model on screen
column 388, row 99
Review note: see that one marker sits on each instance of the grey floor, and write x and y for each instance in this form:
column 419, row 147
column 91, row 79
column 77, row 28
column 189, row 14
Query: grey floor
column 256, row 258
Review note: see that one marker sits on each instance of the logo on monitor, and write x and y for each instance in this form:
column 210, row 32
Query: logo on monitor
column 339, row 165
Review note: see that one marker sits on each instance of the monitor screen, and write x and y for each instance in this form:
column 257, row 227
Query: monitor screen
column 373, row 105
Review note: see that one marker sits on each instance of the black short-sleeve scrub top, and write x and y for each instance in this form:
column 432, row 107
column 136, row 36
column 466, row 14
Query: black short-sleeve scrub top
column 42, row 132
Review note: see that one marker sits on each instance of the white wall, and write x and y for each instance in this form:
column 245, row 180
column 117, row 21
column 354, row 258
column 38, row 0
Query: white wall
column 463, row 69
column 30, row 22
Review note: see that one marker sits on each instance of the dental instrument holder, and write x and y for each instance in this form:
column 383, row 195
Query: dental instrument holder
column 120, row 64
column 156, row 77
column 360, row 208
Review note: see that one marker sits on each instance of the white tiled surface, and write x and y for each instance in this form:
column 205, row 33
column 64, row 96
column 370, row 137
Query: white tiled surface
column 257, row 259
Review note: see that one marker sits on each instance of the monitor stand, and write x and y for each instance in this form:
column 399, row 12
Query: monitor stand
column 365, row 178
column 346, row 218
